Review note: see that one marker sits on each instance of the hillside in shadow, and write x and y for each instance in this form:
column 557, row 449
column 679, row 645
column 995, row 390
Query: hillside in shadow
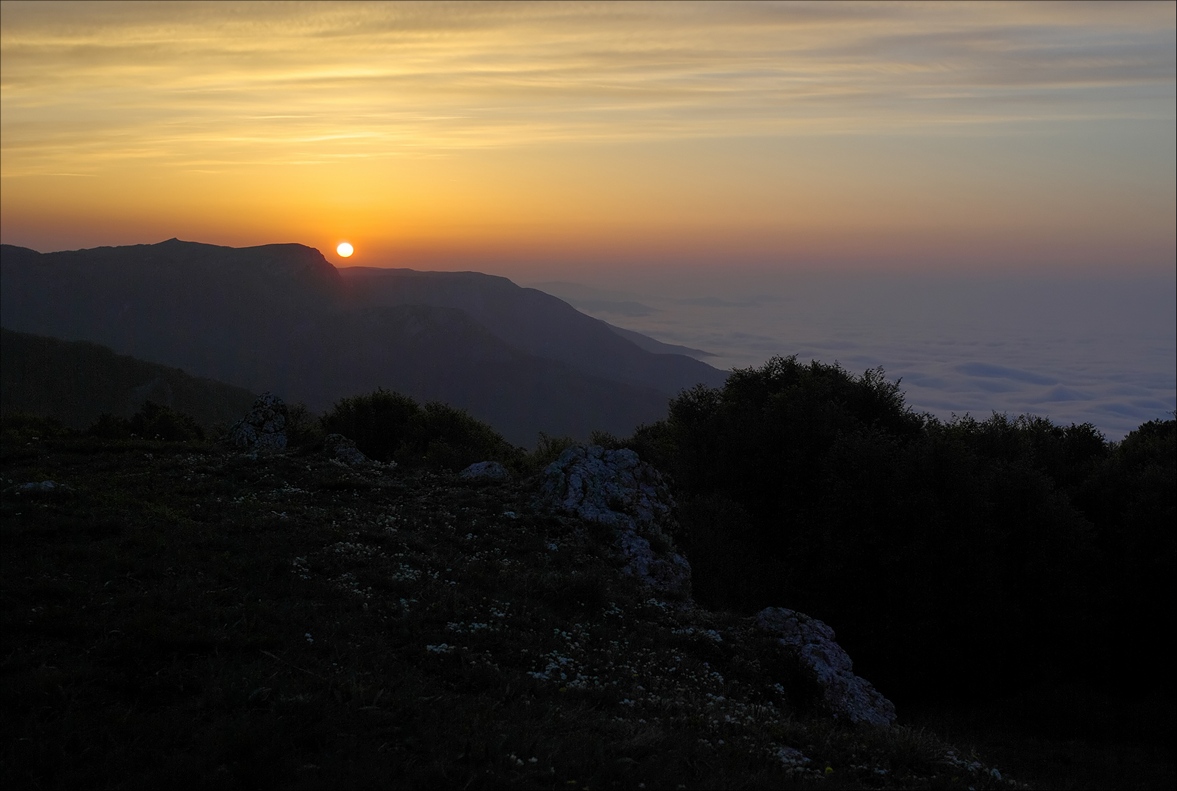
column 188, row 613
column 280, row 318
column 354, row 611
column 77, row 382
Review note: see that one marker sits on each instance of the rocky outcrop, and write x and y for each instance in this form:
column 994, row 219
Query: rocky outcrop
column 39, row 486
column 264, row 428
column 340, row 448
column 848, row 697
column 616, row 488
column 485, row 471
column 44, row 489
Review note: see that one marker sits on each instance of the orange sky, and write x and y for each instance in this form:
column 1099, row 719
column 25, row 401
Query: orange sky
column 540, row 140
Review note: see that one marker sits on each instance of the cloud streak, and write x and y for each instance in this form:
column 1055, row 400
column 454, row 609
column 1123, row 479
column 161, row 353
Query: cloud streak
column 404, row 77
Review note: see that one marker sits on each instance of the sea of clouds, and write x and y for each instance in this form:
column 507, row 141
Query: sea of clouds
column 1077, row 350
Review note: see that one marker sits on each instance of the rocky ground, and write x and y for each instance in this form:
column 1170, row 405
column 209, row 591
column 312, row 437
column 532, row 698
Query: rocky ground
column 189, row 614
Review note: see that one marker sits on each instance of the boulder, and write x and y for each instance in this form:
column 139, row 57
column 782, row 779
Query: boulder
column 616, row 488
column 47, row 489
column 264, row 428
column 343, row 449
column 485, row 471
column 38, row 486
column 848, row 697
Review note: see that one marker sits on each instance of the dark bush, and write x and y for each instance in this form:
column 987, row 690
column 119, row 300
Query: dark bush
column 379, row 422
column 988, row 550
column 155, row 421
column 109, row 426
column 1132, row 501
column 303, row 428
column 152, row 421
column 449, row 438
column 547, row 450
column 389, row 426
column 18, row 428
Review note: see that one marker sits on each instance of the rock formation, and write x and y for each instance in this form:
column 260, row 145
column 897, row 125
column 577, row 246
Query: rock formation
column 264, row 428
column 485, row 471
column 343, row 449
column 616, row 488
column 847, row 696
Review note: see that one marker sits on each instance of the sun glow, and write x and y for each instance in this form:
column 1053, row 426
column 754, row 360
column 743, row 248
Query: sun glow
column 345, row 249
column 791, row 136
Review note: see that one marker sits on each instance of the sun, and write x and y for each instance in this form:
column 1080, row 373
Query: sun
column 345, row 249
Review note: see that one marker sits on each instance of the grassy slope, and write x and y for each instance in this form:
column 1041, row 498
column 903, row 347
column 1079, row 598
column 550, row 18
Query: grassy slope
column 187, row 616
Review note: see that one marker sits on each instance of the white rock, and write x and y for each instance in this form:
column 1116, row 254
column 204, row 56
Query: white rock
column 616, row 488
column 847, row 696
column 485, row 470
column 264, row 428
column 343, row 449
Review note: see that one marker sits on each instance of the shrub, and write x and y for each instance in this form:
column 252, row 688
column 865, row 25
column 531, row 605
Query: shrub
column 377, row 422
column 109, row 426
column 389, row 426
column 303, row 429
column 155, row 421
column 450, row 438
column 936, row 549
column 547, row 450
column 19, row 428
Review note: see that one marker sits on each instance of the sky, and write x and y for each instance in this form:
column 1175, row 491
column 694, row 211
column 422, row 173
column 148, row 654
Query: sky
column 584, row 136
column 980, row 197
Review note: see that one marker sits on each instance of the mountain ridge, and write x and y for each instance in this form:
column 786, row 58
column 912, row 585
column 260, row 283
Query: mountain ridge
column 527, row 321
column 282, row 318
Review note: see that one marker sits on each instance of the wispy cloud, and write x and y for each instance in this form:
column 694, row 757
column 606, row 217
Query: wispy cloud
column 92, row 81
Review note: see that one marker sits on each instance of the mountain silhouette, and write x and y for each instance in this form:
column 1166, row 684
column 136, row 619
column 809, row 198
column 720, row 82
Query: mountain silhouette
column 282, row 318
column 76, row 382
column 532, row 321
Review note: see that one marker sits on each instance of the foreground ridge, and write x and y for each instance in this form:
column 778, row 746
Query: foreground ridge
column 187, row 611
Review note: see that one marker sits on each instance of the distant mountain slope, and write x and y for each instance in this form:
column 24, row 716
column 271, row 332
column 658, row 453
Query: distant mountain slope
column 434, row 353
column 597, row 300
column 281, row 318
column 533, row 321
column 209, row 310
column 656, row 346
column 76, row 381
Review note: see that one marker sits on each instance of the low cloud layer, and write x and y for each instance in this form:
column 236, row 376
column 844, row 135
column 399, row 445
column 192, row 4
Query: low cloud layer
column 1100, row 352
